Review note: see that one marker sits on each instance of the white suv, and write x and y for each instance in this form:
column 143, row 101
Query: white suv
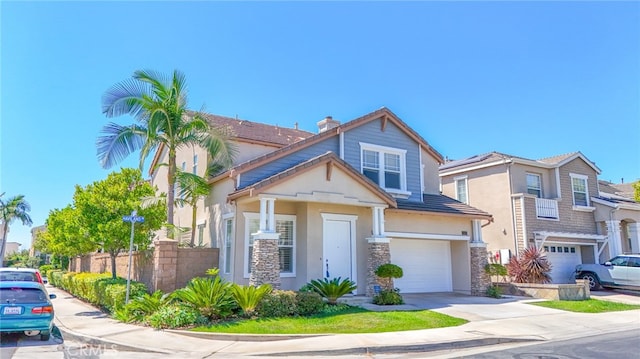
column 622, row 271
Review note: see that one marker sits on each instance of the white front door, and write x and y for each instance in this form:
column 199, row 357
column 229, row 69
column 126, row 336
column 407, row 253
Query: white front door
column 338, row 254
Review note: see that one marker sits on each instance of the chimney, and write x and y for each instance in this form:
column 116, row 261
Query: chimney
column 327, row 124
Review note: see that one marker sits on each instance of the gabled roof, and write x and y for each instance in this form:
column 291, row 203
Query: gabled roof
column 329, row 159
column 247, row 131
column 442, row 204
column 498, row 158
column 621, row 189
column 383, row 113
column 255, row 132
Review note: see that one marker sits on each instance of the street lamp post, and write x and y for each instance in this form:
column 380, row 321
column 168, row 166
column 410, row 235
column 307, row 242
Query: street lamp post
column 133, row 218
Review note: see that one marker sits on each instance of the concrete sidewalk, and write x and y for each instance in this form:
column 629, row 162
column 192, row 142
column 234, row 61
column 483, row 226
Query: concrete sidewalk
column 492, row 321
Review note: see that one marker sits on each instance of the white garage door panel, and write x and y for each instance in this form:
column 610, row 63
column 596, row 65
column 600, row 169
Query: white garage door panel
column 426, row 265
column 563, row 264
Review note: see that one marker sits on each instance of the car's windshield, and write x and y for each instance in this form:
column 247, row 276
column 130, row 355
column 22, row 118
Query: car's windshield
column 619, row 261
column 22, row 295
column 11, row 276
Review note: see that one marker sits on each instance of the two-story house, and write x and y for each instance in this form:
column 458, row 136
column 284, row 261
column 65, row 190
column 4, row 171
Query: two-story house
column 339, row 203
column 552, row 203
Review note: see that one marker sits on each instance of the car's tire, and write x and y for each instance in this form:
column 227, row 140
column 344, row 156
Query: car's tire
column 594, row 283
column 45, row 337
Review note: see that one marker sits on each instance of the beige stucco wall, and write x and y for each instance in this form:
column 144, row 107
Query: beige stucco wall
column 489, row 190
column 430, row 173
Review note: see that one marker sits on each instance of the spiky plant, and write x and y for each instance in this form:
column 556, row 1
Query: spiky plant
column 334, row 288
column 531, row 266
column 248, row 297
column 211, row 296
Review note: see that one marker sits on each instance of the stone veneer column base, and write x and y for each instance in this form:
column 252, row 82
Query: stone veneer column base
column 379, row 254
column 479, row 278
column 265, row 261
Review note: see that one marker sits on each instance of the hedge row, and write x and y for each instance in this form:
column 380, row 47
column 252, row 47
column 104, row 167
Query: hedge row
column 98, row 289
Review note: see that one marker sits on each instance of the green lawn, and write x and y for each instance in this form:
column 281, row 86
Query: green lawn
column 587, row 306
column 352, row 320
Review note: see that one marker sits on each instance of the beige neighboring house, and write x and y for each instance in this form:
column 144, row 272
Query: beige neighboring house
column 34, row 233
column 12, row 247
column 552, row 203
column 298, row 206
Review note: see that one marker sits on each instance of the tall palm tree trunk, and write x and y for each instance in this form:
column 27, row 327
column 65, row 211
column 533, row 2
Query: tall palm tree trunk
column 194, row 212
column 171, row 180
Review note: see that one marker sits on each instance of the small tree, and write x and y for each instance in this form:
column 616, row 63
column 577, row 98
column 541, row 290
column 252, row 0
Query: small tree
column 531, row 266
column 387, row 272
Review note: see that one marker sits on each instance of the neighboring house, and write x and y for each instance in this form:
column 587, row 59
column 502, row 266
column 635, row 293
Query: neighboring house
column 552, row 203
column 34, row 233
column 338, row 204
column 12, row 247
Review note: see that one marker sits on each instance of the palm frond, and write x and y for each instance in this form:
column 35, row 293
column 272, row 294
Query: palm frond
column 125, row 97
column 118, row 142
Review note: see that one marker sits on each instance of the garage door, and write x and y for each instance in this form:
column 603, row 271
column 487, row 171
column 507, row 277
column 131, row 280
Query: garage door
column 426, row 265
column 563, row 259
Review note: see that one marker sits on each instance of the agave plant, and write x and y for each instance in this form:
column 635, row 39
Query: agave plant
column 248, row 297
column 334, row 288
column 531, row 266
column 211, row 296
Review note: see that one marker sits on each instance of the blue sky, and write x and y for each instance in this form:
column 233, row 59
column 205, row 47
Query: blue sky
column 532, row 79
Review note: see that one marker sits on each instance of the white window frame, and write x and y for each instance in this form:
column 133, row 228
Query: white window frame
column 250, row 216
column 586, row 189
column 227, row 243
column 539, row 189
column 200, row 228
column 466, row 188
column 382, row 150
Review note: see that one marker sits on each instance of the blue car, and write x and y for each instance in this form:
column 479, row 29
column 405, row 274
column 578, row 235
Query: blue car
column 25, row 307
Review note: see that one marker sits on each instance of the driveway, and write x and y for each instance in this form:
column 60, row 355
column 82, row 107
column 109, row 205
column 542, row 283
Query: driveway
column 617, row 295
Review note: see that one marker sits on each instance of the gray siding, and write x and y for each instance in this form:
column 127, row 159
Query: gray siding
column 284, row 163
column 391, row 137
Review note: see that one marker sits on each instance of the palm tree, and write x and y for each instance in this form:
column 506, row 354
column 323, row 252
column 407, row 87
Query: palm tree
column 14, row 208
column 191, row 188
column 159, row 105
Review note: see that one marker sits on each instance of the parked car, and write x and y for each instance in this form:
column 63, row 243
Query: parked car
column 25, row 307
column 623, row 271
column 21, row 274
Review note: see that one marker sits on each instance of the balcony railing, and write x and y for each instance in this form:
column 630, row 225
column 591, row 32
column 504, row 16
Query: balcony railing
column 547, row 208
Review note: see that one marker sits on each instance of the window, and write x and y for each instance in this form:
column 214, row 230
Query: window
column 286, row 227
column 580, row 191
column 534, row 185
column 200, row 234
column 228, row 241
column 195, row 164
column 384, row 166
column 461, row 189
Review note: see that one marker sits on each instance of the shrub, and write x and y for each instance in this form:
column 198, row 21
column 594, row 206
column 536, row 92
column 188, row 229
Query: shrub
column 174, row 316
column 278, row 303
column 386, row 272
column 248, row 297
column 44, row 269
column 211, row 296
column 308, row 303
column 388, row 297
column 494, row 291
column 334, row 288
column 55, row 277
column 142, row 306
column 531, row 266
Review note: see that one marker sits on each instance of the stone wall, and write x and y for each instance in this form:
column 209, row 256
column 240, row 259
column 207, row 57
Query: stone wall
column 265, row 263
column 578, row 291
column 379, row 254
column 479, row 278
column 164, row 267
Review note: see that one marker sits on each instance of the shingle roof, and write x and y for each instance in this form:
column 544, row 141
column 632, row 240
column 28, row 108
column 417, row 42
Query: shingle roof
column 558, row 158
column 620, row 189
column 311, row 163
column 380, row 113
column 257, row 132
column 441, row 204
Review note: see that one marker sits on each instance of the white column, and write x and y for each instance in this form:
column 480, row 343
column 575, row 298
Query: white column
column 271, row 227
column 614, row 238
column 477, row 232
column 634, row 234
column 378, row 221
column 263, row 215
